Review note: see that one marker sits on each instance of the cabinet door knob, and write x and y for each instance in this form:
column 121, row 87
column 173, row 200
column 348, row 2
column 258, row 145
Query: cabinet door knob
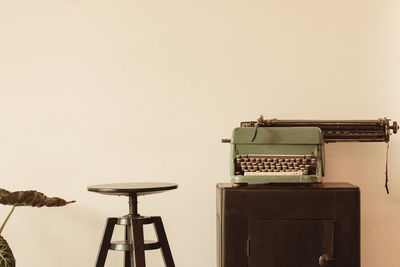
column 326, row 260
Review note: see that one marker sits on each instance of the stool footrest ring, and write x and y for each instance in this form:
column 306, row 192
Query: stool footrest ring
column 125, row 246
column 126, row 220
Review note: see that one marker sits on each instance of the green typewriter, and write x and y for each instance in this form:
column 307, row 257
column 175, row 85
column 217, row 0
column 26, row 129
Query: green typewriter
column 292, row 151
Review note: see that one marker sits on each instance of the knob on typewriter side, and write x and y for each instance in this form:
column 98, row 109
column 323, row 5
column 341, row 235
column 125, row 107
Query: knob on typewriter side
column 394, row 127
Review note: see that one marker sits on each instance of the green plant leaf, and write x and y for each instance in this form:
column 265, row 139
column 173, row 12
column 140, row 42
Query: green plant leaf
column 6, row 256
column 3, row 192
column 30, row 198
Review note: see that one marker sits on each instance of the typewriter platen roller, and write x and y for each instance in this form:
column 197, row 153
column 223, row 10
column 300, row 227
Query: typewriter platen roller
column 337, row 131
column 284, row 151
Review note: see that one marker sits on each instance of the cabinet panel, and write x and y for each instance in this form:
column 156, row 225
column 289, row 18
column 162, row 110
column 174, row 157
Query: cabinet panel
column 288, row 243
column 297, row 204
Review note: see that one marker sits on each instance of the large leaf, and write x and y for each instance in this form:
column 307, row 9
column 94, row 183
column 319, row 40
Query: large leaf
column 30, row 198
column 6, row 256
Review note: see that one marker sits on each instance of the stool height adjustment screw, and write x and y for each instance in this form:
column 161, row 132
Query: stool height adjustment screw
column 133, row 206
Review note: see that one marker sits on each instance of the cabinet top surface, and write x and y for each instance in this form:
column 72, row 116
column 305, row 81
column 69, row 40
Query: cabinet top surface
column 276, row 186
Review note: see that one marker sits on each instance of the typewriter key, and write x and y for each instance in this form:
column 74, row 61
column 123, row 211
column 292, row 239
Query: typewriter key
column 307, row 167
column 308, row 156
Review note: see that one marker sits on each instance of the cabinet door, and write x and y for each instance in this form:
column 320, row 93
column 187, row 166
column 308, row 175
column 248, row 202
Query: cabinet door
column 289, row 243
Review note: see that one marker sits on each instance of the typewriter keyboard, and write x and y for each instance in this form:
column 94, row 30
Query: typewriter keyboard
column 272, row 165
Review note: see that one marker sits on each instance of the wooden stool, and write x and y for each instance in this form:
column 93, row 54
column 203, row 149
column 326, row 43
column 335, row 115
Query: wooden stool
column 134, row 244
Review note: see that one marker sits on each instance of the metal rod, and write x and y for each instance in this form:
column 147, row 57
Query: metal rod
column 133, row 207
column 6, row 220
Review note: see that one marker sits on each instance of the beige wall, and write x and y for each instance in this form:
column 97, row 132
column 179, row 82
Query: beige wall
column 95, row 91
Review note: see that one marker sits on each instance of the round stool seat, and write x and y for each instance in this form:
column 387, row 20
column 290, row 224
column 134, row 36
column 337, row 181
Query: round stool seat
column 128, row 189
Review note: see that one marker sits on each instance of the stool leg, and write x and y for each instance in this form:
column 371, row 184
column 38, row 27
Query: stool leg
column 162, row 238
column 138, row 243
column 127, row 259
column 105, row 244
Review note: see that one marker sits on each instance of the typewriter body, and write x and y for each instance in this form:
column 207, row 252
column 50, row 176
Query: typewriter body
column 277, row 155
column 292, row 151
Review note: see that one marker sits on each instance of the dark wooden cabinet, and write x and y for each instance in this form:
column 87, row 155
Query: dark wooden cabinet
column 281, row 225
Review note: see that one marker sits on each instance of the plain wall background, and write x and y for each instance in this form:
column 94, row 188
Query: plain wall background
column 100, row 91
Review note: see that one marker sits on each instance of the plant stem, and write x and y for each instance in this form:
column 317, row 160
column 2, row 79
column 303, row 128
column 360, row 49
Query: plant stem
column 6, row 220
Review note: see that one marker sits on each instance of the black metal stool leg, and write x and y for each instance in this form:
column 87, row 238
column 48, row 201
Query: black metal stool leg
column 162, row 238
column 127, row 258
column 138, row 243
column 105, row 244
